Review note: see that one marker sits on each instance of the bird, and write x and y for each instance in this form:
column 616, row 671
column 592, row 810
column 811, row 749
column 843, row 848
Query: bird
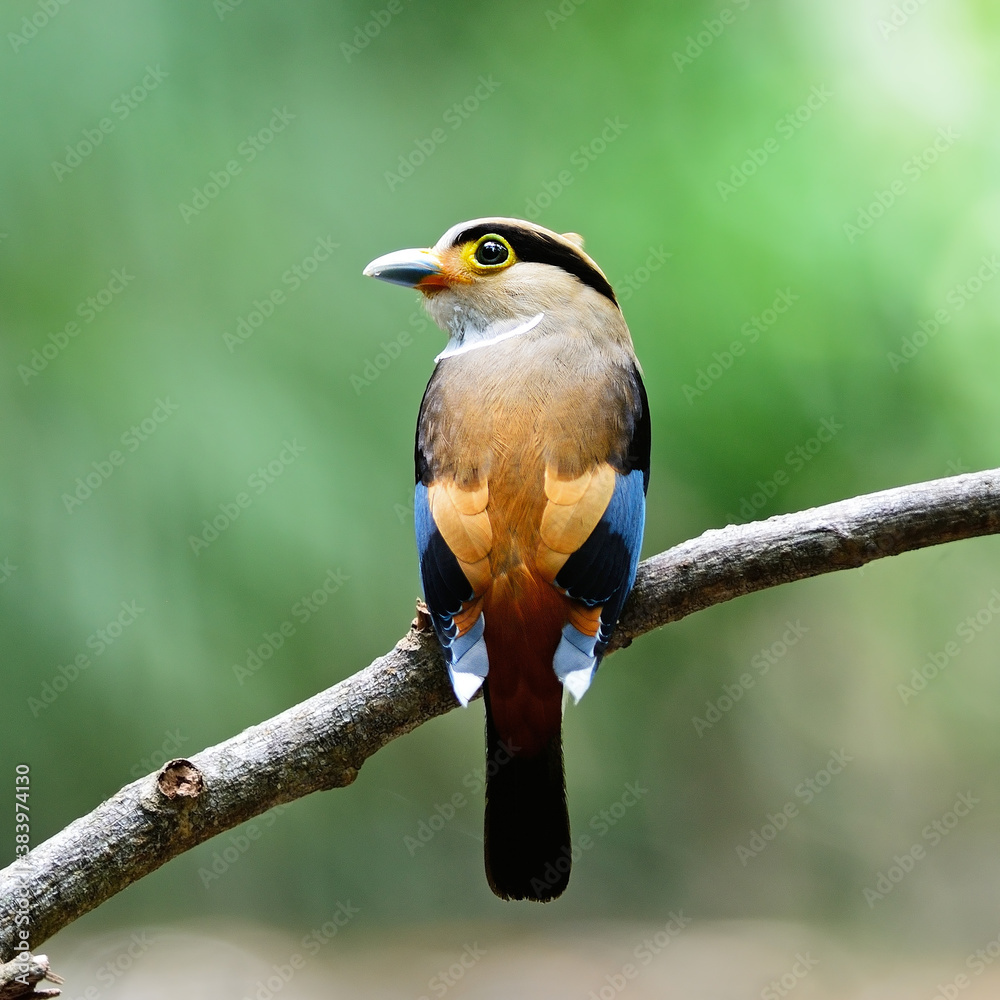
column 532, row 465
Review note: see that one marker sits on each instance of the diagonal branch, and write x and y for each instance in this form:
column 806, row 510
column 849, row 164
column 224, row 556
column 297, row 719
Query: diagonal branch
column 323, row 742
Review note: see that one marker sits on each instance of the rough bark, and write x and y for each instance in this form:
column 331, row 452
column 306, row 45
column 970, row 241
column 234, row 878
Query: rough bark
column 19, row 978
column 322, row 742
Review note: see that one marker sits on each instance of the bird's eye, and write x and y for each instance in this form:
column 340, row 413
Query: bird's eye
column 491, row 253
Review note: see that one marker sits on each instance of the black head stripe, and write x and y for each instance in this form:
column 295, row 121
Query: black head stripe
column 531, row 245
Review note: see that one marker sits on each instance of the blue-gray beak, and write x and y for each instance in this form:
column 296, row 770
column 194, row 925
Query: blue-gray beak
column 411, row 268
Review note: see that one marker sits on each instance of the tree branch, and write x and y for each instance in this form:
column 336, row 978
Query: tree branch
column 323, row 742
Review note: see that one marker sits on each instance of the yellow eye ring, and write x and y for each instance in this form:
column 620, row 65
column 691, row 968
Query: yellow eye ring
column 489, row 253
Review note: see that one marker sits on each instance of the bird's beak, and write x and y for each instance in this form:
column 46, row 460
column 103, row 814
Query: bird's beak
column 411, row 268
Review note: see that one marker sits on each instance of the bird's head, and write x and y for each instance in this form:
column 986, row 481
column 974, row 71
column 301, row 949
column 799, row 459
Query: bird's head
column 486, row 273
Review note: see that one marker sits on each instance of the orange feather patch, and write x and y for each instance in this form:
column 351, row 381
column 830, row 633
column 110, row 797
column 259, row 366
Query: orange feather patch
column 584, row 619
column 468, row 616
column 573, row 509
column 461, row 517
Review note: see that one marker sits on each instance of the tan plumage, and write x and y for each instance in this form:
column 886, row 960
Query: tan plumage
column 572, row 509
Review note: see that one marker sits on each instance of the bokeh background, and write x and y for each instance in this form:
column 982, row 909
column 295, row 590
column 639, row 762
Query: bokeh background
column 840, row 158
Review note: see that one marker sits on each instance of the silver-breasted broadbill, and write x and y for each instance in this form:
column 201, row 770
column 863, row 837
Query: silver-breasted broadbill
column 532, row 462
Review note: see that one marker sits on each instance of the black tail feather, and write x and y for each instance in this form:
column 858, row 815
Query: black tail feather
column 528, row 848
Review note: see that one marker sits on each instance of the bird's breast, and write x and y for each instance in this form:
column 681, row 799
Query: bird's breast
column 506, row 414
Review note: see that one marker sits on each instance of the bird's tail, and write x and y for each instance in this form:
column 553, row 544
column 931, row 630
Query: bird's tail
column 527, row 824
column 528, row 849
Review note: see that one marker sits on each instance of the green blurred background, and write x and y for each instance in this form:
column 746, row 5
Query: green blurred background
column 696, row 92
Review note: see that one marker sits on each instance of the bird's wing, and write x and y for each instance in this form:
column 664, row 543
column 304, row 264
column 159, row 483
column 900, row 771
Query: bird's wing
column 454, row 538
column 591, row 534
column 599, row 573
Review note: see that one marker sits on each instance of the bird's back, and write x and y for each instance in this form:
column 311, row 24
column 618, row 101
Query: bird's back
column 532, row 459
column 506, row 416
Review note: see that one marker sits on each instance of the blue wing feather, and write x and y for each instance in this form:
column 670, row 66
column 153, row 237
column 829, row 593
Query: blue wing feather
column 603, row 569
